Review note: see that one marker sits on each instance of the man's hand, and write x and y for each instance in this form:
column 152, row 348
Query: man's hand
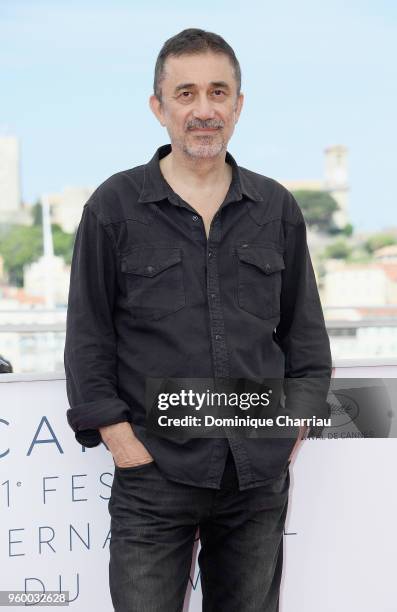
column 302, row 432
column 125, row 447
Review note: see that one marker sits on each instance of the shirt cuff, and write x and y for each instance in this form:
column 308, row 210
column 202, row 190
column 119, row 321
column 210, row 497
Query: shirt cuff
column 88, row 437
column 85, row 419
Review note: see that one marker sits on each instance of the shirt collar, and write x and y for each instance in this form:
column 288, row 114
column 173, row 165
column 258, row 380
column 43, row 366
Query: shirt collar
column 155, row 187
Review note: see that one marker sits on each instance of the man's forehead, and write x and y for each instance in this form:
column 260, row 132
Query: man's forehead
column 198, row 68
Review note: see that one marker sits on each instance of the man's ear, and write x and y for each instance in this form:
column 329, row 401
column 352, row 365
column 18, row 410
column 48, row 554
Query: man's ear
column 238, row 107
column 156, row 108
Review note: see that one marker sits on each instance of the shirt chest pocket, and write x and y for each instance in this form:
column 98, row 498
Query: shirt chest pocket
column 154, row 281
column 259, row 279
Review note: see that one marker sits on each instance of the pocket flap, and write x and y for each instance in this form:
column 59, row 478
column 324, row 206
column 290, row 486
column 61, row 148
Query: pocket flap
column 267, row 259
column 149, row 261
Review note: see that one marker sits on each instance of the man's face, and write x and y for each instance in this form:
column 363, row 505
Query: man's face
column 199, row 104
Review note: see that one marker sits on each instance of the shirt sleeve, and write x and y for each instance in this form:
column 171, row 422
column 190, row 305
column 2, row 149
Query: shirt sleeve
column 90, row 358
column 301, row 332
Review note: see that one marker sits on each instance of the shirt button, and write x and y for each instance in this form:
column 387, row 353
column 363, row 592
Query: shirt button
column 209, row 253
column 194, row 217
column 149, row 268
column 244, row 245
column 218, row 337
column 267, row 267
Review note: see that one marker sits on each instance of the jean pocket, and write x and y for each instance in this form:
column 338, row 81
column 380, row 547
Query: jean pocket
column 154, row 281
column 134, row 468
column 259, row 279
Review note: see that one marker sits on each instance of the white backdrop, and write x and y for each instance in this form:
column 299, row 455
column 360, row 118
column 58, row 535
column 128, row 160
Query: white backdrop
column 340, row 539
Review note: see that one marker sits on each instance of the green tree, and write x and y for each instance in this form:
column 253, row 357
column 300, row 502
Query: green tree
column 63, row 243
column 335, row 230
column 359, row 255
column 347, row 230
column 21, row 245
column 317, row 207
column 37, row 213
column 337, row 250
column 377, row 241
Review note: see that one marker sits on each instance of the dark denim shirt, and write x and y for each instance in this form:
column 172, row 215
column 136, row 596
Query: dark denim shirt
column 150, row 296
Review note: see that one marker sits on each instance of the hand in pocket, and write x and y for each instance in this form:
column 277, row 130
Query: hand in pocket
column 126, row 449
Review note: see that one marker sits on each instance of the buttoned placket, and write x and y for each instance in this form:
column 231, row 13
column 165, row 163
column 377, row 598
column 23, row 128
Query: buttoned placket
column 220, row 356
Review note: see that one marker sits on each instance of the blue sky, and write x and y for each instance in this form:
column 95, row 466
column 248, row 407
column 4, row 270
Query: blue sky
column 75, row 79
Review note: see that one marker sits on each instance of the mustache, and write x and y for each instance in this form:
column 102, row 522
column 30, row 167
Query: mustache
column 211, row 124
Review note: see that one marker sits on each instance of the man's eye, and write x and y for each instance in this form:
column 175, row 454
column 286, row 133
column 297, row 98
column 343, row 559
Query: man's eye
column 217, row 91
column 186, row 92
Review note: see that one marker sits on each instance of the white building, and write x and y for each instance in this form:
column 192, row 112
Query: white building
column 11, row 209
column 37, row 274
column 387, row 254
column 10, row 193
column 360, row 307
column 359, row 284
column 67, row 206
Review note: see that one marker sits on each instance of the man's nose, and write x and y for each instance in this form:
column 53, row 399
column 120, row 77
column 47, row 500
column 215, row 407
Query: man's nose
column 203, row 108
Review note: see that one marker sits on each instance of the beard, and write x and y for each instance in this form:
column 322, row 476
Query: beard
column 203, row 146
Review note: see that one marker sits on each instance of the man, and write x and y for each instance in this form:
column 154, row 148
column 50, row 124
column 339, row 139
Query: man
column 190, row 266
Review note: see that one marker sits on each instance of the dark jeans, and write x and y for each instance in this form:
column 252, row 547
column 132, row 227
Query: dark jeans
column 153, row 527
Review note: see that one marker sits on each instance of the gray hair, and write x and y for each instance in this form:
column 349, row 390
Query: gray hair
column 190, row 42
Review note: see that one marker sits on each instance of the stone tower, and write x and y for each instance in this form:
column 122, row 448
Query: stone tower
column 336, row 181
column 10, row 197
